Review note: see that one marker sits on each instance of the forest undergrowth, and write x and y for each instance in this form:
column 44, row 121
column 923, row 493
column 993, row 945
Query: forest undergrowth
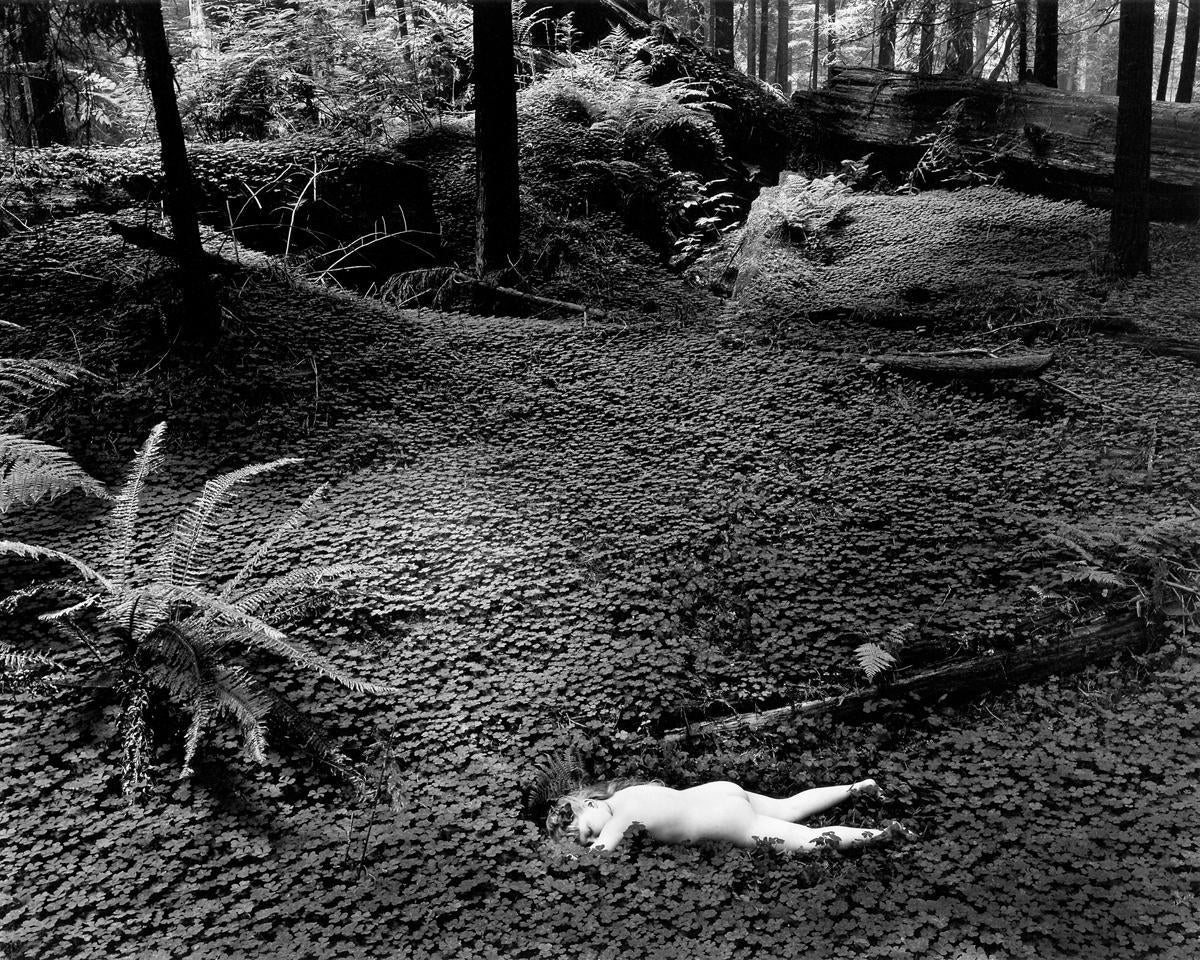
column 588, row 532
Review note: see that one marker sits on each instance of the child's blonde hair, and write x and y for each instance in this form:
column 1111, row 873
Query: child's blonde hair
column 560, row 821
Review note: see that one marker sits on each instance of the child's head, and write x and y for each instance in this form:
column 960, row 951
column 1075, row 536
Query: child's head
column 580, row 816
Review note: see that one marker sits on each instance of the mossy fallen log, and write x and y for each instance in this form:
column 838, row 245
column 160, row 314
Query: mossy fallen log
column 1034, row 133
column 957, row 680
column 965, row 365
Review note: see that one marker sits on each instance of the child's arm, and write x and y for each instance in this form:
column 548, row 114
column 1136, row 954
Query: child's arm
column 610, row 834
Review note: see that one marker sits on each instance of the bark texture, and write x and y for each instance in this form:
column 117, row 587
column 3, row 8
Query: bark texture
column 1129, row 239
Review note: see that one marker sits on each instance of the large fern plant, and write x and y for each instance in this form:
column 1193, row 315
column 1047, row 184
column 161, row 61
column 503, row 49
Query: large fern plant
column 164, row 627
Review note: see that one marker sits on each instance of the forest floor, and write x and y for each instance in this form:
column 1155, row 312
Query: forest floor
column 586, row 532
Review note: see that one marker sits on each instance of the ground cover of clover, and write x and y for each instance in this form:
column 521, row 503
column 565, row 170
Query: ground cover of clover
column 589, row 532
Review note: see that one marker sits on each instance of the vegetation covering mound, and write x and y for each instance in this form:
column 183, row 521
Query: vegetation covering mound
column 585, row 533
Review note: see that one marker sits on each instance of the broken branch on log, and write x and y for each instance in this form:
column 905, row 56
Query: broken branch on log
column 148, row 239
column 965, row 365
column 532, row 298
column 953, row 680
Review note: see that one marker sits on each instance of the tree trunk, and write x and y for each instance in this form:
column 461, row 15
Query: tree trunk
column 201, row 320
column 960, row 50
column 983, row 30
column 1129, row 239
column 720, row 16
column 783, row 48
column 831, row 42
column 1045, row 49
column 887, row 34
column 998, row 69
column 751, row 37
column 498, row 205
column 1022, row 13
column 928, row 34
column 47, row 122
column 764, row 22
column 1187, row 56
column 814, row 65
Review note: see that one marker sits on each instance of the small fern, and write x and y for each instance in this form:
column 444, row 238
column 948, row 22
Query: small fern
column 165, row 630
column 874, row 659
column 31, row 471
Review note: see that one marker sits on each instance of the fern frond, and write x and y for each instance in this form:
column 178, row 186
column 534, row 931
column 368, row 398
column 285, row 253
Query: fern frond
column 873, row 659
column 1171, row 535
column 258, row 633
column 31, row 470
column 238, row 695
column 123, row 517
column 189, row 557
column 297, row 519
column 17, row 661
column 21, row 377
column 1085, row 573
column 294, row 581
column 555, row 777
column 30, row 552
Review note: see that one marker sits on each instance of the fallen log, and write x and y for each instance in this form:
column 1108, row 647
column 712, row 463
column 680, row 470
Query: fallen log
column 1166, row 346
column 956, row 680
column 966, row 365
column 533, row 299
column 1060, row 140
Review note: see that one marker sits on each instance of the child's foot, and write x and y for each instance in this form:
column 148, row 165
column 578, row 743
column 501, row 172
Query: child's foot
column 865, row 788
column 897, row 831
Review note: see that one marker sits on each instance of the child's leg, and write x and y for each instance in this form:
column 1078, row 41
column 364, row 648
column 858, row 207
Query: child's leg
column 805, row 804
column 797, row 838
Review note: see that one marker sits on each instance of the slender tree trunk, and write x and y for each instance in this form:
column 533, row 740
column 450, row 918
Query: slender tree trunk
column 1187, row 56
column 814, row 65
column 720, row 25
column 928, row 34
column 831, row 43
column 783, row 48
column 201, row 320
column 43, row 80
column 764, row 23
column 1045, row 49
column 498, row 205
column 887, row 34
column 998, row 69
column 960, row 49
column 751, row 37
column 1129, row 239
column 1022, row 12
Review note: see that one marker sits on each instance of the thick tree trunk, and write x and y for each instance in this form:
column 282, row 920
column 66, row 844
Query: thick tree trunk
column 1129, row 239
column 783, row 48
column 1187, row 56
column 925, row 51
column 201, row 320
column 887, row 34
column 1045, row 50
column 47, row 121
column 1164, row 70
column 764, row 23
column 960, row 49
column 956, row 681
column 720, row 17
column 983, row 30
column 1022, row 14
column 498, row 205
column 751, row 37
column 1037, row 134
column 814, row 62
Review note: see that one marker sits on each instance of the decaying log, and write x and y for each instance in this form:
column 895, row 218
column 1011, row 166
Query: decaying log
column 967, row 365
column 1062, row 138
column 956, row 680
column 1166, row 346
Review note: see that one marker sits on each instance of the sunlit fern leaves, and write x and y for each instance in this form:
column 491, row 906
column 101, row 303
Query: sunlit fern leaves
column 31, row 471
column 552, row 778
column 873, row 659
column 20, row 377
column 170, row 629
